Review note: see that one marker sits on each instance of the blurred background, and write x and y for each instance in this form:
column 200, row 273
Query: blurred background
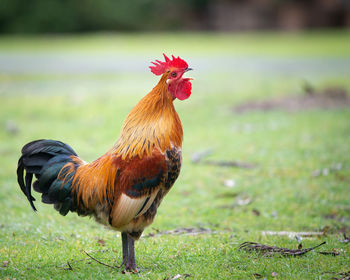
column 55, row 16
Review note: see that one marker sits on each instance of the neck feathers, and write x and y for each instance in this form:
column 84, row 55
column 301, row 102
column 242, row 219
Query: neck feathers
column 152, row 123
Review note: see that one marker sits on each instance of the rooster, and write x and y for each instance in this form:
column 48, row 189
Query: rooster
column 123, row 188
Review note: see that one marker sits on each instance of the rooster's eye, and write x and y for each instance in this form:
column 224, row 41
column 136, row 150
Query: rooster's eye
column 173, row 74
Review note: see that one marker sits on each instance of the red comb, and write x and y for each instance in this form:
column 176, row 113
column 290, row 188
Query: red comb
column 160, row 67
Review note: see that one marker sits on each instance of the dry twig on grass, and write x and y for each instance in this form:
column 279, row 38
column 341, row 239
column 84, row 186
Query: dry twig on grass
column 271, row 250
column 340, row 275
column 96, row 260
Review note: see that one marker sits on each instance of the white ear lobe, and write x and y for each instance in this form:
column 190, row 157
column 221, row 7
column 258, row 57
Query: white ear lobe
column 167, row 81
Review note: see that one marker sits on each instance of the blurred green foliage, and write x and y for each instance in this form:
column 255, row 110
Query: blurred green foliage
column 18, row 16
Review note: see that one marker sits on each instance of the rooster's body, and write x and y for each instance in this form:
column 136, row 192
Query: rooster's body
column 123, row 188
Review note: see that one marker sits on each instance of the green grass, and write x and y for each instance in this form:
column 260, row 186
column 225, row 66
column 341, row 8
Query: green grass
column 87, row 110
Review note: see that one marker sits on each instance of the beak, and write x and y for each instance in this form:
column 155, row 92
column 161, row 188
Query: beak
column 188, row 69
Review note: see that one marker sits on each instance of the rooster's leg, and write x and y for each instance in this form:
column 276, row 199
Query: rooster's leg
column 130, row 265
column 125, row 247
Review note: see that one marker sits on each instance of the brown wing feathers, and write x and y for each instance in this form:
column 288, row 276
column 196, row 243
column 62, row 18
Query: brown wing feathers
column 137, row 186
column 127, row 187
column 140, row 176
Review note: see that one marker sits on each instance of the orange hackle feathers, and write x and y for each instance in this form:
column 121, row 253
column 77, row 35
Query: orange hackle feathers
column 152, row 123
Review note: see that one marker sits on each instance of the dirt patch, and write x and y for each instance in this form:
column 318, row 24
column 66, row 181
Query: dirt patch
column 329, row 98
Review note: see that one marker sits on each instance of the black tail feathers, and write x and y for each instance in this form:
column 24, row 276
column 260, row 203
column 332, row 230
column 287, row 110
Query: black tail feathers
column 45, row 159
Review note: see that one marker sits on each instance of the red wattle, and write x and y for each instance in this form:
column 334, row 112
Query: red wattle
column 183, row 90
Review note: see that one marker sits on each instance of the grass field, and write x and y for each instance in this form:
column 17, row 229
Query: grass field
column 74, row 89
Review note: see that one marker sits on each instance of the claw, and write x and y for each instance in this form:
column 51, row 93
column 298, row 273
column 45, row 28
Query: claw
column 129, row 270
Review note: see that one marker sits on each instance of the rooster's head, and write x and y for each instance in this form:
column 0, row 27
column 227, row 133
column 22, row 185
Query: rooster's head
column 178, row 86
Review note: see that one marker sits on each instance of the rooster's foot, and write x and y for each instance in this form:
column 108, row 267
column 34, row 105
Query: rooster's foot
column 131, row 270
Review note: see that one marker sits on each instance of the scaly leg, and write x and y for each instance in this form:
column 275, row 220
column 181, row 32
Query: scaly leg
column 130, row 265
column 125, row 247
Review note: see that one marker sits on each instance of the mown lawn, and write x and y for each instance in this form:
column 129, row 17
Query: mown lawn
column 74, row 89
